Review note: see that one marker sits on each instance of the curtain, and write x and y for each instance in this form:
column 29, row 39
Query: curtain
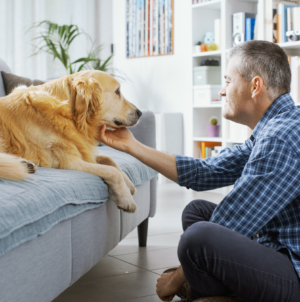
column 16, row 19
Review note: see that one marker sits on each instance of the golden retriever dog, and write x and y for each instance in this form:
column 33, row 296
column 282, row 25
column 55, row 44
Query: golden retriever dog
column 55, row 125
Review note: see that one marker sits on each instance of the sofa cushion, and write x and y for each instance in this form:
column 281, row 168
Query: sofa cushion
column 31, row 207
column 11, row 81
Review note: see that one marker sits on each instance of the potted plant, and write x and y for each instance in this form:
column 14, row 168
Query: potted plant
column 57, row 39
column 213, row 129
column 198, row 47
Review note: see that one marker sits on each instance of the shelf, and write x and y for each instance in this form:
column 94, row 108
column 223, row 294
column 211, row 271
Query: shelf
column 290, row 45
column 214, row 4
column 235, row 141
column 209, row 106
column 208, row 54
column 207, row 139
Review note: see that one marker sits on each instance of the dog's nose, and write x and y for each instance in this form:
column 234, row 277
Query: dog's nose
column 139, row 113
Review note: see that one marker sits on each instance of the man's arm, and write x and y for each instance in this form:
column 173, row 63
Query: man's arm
column 198, row 174
column 122, row 139
column 161, row 162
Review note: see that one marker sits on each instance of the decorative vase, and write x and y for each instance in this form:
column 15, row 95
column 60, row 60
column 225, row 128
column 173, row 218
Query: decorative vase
column 213, row 130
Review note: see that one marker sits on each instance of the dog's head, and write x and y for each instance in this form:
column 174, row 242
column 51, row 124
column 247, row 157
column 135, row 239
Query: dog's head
column 96, row 99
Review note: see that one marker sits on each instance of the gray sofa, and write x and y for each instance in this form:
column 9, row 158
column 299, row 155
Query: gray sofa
column 43, row 267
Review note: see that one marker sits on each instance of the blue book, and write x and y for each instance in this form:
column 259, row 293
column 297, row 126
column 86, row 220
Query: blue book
column 249, row 29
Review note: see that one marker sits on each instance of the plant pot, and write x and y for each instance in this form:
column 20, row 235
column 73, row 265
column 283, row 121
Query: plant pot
column 213, row 130
column 197, row 48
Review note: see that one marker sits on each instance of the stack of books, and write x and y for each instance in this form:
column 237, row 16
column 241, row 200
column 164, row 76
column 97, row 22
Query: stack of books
column 149, row 27
column 288, row 22
column 277, row 21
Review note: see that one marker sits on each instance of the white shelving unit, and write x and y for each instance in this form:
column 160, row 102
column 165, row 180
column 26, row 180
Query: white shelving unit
column 203, row 16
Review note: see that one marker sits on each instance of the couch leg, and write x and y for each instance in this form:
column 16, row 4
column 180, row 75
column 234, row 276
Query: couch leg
column 143, row 233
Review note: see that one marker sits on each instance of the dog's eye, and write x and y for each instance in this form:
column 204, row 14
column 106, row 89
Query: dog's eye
column 117, row 91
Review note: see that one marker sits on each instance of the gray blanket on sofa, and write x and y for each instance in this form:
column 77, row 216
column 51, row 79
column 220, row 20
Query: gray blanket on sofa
column 31, row 207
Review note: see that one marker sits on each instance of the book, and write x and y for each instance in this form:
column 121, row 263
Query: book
column 127, row 28
column 138, row 28
column 148, row 27
column 157, row 28
column 289, row 20
column 268, row 20
column 154, row 27
column 250, row 23
column 218, row 32
column 142, row 51
column 279, row 25
column 296, row 18
column 260, row 21
column 134, row 28
column 274, row 25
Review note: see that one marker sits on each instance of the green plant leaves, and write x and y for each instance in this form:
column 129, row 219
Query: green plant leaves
column 56, row 40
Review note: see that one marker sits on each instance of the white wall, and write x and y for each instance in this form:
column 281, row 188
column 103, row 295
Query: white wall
column 162, row 83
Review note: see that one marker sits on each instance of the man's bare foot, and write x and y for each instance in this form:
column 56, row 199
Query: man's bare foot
column 169, row 283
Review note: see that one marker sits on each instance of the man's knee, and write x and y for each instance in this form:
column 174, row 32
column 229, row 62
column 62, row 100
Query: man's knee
column 198, row 239
column 191, row 212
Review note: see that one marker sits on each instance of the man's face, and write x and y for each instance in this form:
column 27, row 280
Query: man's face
column 237, row 93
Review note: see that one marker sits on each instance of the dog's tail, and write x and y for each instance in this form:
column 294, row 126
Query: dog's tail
column 14, row 168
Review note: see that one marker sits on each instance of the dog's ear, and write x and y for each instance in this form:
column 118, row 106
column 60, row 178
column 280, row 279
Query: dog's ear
column 85, row 101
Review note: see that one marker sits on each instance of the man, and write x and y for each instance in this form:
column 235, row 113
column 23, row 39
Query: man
column 249, row 245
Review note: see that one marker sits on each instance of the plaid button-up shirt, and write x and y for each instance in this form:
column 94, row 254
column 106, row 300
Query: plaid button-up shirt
column 265, row 171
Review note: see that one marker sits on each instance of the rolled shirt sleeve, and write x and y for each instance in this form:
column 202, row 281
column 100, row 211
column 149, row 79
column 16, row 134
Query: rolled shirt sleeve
column 213, row 172
column 269, row 182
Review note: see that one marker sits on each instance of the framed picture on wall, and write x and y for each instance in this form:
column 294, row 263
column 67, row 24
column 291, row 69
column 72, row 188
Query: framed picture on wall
column 149, row 28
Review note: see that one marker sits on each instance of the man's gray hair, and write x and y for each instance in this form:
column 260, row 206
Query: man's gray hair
column 267, row 60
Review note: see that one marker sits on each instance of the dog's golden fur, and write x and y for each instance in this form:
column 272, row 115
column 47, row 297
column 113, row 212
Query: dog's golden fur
column 55, row 125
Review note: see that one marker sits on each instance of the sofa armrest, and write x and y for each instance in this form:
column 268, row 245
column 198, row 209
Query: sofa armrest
column 145, row 132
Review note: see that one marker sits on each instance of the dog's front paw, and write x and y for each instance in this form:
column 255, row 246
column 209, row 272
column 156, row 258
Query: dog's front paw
column 129, row 184
column 31, row 167
column 124, row 201
column 129, row 208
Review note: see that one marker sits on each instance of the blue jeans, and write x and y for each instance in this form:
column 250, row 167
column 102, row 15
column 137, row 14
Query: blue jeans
column 217, row 261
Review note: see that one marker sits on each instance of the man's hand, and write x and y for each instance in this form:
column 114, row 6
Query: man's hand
column 121, row 139
column 164, row 288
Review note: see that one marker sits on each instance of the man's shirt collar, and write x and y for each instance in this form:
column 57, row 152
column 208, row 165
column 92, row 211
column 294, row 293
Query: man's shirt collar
column 281, row 104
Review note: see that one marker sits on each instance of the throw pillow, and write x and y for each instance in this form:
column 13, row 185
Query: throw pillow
column 11, row 81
